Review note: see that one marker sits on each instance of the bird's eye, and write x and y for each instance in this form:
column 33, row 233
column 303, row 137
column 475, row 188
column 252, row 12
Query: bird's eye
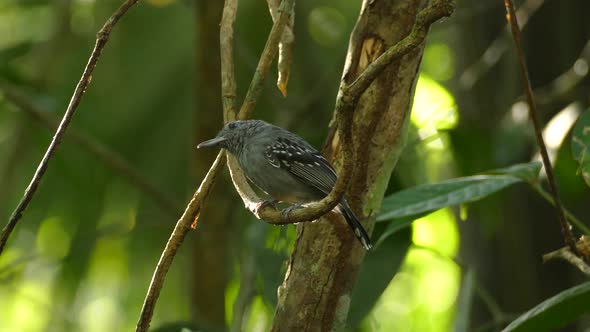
column 232, row 125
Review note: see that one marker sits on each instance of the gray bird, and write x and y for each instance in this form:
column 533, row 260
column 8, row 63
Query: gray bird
column 284, row 166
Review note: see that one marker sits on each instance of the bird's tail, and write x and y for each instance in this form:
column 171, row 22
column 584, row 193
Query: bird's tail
column 355, row 225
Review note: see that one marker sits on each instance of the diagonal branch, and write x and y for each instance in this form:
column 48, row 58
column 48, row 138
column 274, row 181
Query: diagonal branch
column 102, row 38
column 101, row 151
column 565, row 226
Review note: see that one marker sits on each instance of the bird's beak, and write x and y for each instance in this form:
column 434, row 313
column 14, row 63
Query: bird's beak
column 212, row 142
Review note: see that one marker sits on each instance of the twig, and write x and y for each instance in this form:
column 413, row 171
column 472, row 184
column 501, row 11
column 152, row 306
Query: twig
column 268, row 54
column 101, row 151
column 176, row 238
column 102, row 38
column 565, row 227
column 226, row 45
column 285, row 46
column 566, row 254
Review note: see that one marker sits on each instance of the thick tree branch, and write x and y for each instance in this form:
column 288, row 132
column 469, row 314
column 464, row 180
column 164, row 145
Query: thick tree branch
column 102, row 152
column 102, row 38
column 565, row 226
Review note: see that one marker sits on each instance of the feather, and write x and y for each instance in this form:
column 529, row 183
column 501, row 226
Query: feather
column 303, row 161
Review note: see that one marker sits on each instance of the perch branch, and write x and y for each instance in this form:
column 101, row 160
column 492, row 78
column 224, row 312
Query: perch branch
column 566, row 254
column 99, row 150
column 565, row 227
column 102, row 38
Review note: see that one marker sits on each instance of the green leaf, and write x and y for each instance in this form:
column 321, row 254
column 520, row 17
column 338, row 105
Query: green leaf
column 555, row 312
column 427, row 198
column 528, row 172
column 408, row 205
column 581, row 145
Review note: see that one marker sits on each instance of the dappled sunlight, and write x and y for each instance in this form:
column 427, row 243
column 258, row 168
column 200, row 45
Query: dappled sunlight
column 438, row 230
column 52, row 239
column 434, row 106
column 422, row 295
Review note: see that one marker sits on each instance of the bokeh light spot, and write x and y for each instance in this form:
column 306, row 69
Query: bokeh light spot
column 52, row 239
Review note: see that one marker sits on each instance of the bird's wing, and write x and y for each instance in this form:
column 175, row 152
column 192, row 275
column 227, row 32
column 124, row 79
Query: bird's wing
column 303, row 161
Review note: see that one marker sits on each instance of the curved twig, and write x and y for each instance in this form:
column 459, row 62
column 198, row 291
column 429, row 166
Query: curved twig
column 102, row 38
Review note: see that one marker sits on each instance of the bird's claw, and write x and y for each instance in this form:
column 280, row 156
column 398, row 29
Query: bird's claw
column 285, row 212
column 259, row 206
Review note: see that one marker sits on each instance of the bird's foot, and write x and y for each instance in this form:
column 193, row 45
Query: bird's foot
column 261, row 205
column 285, row 212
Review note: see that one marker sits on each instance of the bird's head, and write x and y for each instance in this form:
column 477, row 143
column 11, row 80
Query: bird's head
column 233, row 135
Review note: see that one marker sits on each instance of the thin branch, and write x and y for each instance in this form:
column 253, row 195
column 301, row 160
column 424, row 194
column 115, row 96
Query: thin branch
column 102, row 38
column 285, row 46
column 268, row 54
column 176, row 238
column 99, row 150
column 566, row 254
column 565, row 227
column 226, row 45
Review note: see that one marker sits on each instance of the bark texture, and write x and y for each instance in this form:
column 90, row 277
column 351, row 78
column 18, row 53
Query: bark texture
column 316, row 292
